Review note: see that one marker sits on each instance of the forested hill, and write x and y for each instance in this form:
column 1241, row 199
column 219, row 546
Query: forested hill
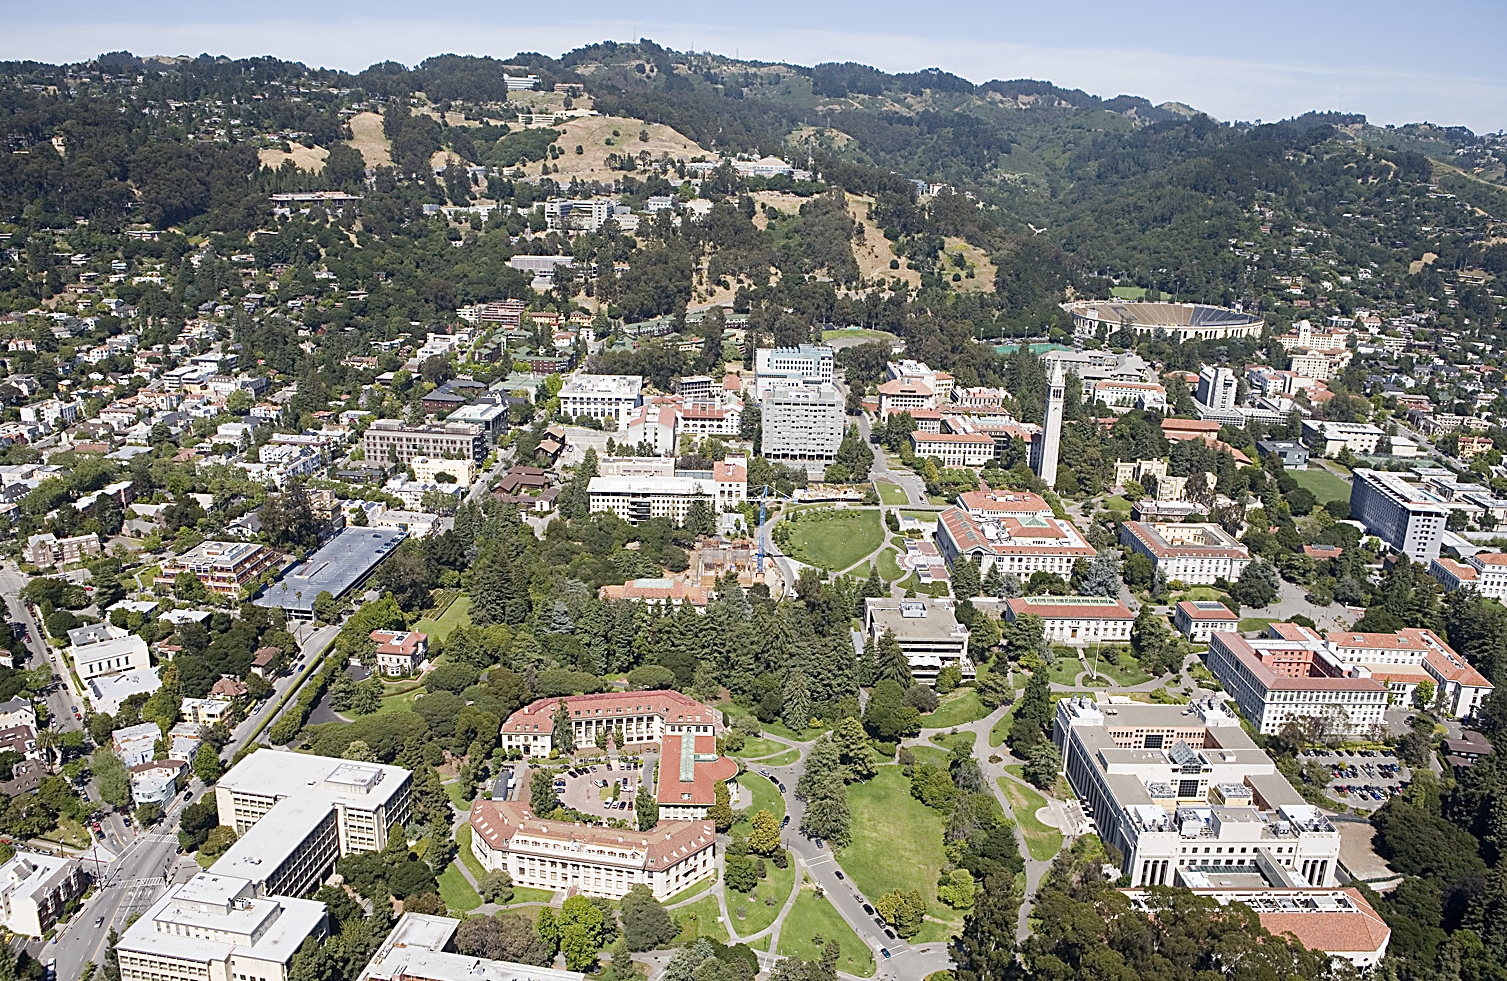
column 1056, row 189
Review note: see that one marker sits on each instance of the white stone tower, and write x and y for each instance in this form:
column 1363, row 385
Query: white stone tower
column 1051, row 429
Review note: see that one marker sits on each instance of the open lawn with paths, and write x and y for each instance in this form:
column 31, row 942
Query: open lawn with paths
column 897, row 840
column 765, row 798
column 891, row 494
column 757, row 747
column 1043, row 842
column 833, row 539
column 958, row 708
column 457, row 614
column 763, row 905
column 1322, row 484
column 700, row 920
column 456, row 891
column 812, row 916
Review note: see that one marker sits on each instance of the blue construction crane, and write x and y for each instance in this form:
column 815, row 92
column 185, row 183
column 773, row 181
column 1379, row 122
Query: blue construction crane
column 765, row 493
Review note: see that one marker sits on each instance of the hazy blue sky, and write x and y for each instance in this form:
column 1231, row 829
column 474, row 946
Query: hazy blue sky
column 1396, row 62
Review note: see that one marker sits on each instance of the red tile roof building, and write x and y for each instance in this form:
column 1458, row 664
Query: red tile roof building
column 1276, row 680
column 1076, row 620
column 658, row 592
column 1198, row 620
column 1485, row 572
column 583, row 859
column 642, row 716
column 1019, row 545
column 1188, row 553
column 399, row 652
column 689, row 771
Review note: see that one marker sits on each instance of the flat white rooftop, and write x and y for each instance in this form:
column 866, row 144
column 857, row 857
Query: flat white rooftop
column 279, row 773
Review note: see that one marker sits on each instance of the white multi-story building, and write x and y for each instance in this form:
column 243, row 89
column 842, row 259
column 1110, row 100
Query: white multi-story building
column 295, row 814
column 614, row 397
column 1017, row 544
column 1328, row 438
column 639, row 498
column 561, row 856
column 1485, row 572
column 641, row 716
column 216, row 927
column 1188, row 553
column 1198, row 620
column 1077, row 621
column 419, row 948
column 784, row 367
column 34, row 889
column 1408, row 518
column 906, row 394
column 425, row 469
column 1122, row 396
column 928, row 633
column 1407, row 658
column 803, row 424
column 1183, row 794
column 1216, row 388
column 954, row 449
column 110, row 656
column 1293, row 676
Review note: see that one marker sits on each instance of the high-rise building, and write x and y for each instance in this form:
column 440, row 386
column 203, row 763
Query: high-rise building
column 1405, row 516
column 1216, row 388
column 1045, row 457
column 803, row 424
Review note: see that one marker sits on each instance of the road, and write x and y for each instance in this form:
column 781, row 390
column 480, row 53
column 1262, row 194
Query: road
column 60, row 703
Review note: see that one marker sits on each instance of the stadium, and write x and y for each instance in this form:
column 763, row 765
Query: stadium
column 1176, row 321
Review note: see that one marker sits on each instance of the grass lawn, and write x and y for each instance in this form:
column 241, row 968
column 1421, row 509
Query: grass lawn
column 690, row 891
column 456, row 614
column 863, row 333
column 1195, row 593
column 784, row 731
column 1322, row 484
column 398, row 703
column 892, row 494
column 454, row 790
column 69, row 832
column 1117, row 503
column 456, row 891
column 935, row 931
column 889, row 568
column 1124, row 674
column 463, row 846
column 760, row 907
column 784, row 759
column 1065, row 669
column 812, row 916
column 765, row 798
column 1132, row 293
column 1043, row 842
column 523, row 894
column 757, row 747
column 947, row 741
column 926, row 517
column 699, row 920
column 897, row 840
column 833, row 539
column 958, row 708
column 1255, row 623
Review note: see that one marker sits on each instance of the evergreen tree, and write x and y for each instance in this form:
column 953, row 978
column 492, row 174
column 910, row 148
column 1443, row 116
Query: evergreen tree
column 853, row 749
column 891, row 662
column 1102, row 578
column 645, row 807
column 985, row 950
column 796, row 713
column 721, row 812
column 827, row 815
column 993, row 583
column 965, row 579
column 1032, row 716
column 564, row 735
column 542, row 799
column 867, row 670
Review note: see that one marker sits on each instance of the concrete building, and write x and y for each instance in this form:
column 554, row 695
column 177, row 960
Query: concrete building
column 296, row 814
column 1408, row 518
column 1182, row 792
column 1019, row 544
column 614, row 397
column 107, row 657
column 643, row 717
column 492, row 417
column 1328, row 438
column 1404, row 659
column 563, row 856
column 1217, row 388
column 907, row 394
column 639, row 498
column 1198, row 620
column 48, row 549
column 34, row 888
column 1196, row 554
column 425, row 469
column 1297, row 678
column 1294, row 456
column 803, row 424
column 1485, row 572
column 421, row 948
column 1044, row 451
column 225, row 568
column 341, row 565
column 390, row 441
column 786, row 367
column 928, row 633
column 216, row 927
column 1077, row 621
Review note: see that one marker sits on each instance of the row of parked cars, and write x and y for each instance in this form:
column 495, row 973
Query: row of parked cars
column 1368, row 791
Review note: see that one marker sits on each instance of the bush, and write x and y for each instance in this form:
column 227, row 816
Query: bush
column 922, row 699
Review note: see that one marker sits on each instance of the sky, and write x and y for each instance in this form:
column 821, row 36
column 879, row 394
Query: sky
column 1396, row 63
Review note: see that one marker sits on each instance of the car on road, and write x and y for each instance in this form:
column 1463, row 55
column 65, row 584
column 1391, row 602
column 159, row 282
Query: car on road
column 763, row 773
column 785, row 821
column 884, row 952
column 99, row 921
column 780, row 785
column 188, row 794
column 868, row 909
column 879, row 922
column 889, row 933
column 840, row 875
column 820, row 843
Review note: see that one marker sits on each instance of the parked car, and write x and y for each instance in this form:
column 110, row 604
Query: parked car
column 884, row 952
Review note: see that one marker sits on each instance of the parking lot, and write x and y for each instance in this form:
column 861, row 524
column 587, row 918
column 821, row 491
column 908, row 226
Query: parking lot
column 1363, row 778
column 589, row 788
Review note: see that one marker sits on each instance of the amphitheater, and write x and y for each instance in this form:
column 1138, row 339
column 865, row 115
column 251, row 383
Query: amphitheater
column 1176, row 321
